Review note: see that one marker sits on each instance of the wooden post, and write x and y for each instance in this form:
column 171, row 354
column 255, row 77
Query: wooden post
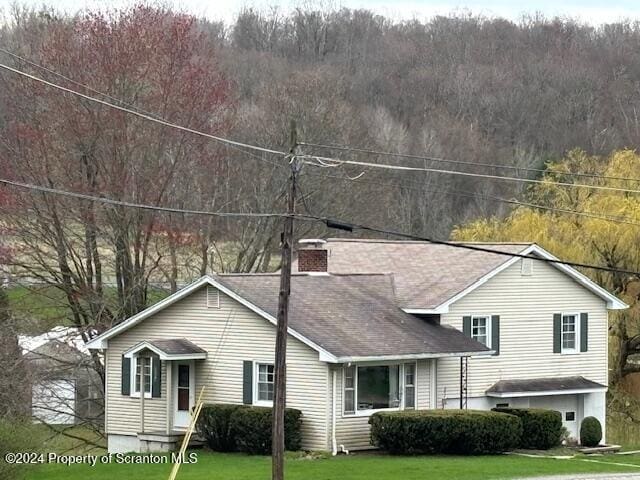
column 279, row 393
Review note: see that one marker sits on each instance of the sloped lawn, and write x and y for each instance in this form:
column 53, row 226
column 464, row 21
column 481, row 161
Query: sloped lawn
column 216, row 466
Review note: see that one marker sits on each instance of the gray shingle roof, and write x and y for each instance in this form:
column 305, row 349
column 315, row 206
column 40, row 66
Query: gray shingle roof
column 176, row 346
column 426, row 275
column 351, row 315
column 543, row 385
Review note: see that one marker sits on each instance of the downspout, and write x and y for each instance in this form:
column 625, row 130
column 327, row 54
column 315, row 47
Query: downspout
column 334, row 446
column 142, row 390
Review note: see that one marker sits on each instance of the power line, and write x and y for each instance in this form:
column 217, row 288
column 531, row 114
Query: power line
column 75, row 82
column 423, row 188
column 115, row 99
column 342, row 225
column 151, row 118
column 120, row 203
column 328, row 162
column 329, row 222
column 462, row 162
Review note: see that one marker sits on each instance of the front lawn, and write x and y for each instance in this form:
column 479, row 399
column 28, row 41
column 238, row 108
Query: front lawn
column 212, row 466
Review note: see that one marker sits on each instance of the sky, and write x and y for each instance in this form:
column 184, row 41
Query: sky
column 590, row 11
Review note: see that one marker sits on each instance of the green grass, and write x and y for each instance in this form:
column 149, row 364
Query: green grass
column 41, row 307
column 217, row 466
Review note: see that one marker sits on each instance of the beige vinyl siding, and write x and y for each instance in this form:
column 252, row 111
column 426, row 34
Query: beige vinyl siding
column 353, row 431
column 526, row 305
column 231, row 334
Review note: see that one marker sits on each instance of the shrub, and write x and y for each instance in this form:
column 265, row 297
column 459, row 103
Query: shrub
column 251, row 428
column 214, row 424
column 541, row 428
column 590, row 432
column 445, row 431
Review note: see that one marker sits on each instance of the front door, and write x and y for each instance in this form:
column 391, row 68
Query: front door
column 183, row 393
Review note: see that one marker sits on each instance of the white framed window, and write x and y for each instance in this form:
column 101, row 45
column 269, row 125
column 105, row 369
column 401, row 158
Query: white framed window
column 409, row 386
column 369, row 388
column 264, row 383
column 142, row 368
column 481, row 329
column 350, row 390
column 570, row 332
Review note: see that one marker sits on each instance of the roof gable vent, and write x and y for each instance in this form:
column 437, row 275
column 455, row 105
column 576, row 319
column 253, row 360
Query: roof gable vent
column 213, row 297
column 526, row 267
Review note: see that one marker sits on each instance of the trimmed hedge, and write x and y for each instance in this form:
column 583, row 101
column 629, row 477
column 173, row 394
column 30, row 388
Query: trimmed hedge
column 252, row 429
column 214, row 424
column 541, row 428
column 244, row 428
column 590, row 432
column 445, row 431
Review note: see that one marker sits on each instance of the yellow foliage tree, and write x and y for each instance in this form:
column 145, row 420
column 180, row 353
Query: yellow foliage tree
column 584, row 238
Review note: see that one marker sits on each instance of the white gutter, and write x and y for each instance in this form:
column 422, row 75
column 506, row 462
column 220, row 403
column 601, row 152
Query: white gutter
column 334, row 446
column 413, row 356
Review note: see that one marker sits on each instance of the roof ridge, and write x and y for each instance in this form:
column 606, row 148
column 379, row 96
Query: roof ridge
column 425, row 242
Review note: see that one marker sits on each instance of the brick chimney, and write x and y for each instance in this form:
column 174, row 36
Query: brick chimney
column 312, row 256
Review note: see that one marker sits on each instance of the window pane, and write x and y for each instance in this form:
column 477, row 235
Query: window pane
column 349, row 389
column 348, row 401
column 378, row 387
column 265, row 382
column 479, row 329
column 183, row 399
column 409, row 385
column 569, row 332
column 410, row 398
column 183, row 376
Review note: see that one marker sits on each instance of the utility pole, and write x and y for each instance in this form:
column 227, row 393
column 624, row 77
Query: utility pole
column 280, row 388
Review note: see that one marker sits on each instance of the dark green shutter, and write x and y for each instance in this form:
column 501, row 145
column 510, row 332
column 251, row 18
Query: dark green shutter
column 466, row 326
column 247, row 382
column 156, row 381
column 125, row 388
column 557, row 336
column 584, row 331
column 495, row 333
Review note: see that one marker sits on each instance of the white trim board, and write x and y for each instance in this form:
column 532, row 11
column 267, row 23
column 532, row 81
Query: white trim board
column 163, row 355
column 545, row 393
column 613, row 302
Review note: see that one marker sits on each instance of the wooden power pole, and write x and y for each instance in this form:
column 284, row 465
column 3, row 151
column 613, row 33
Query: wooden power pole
column 280, row 387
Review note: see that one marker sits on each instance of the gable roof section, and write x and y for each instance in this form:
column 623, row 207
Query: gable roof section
column 355, row 317
column 343, row 317
column 170, row 349
column 429, row 277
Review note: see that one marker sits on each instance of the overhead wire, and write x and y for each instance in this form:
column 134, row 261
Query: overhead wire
column 425, row 188
column 328, row 221
column 467, row 163
column 327, row 162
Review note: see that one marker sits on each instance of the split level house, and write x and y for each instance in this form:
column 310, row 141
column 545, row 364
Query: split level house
column 374, row 325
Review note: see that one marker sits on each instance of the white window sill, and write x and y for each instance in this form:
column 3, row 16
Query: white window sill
column 368, row 413
column 569, row 352
column 137, row 395
column 263, row 403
